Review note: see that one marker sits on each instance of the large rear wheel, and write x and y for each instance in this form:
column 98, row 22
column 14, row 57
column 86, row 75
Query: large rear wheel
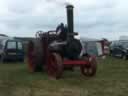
column 55, row 65
column 31, row 57
column 35, row 56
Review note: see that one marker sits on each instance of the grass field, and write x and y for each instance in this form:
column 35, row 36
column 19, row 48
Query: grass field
column 111, row 80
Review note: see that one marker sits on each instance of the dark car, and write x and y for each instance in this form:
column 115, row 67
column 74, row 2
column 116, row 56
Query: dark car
column 119, row 49
column 13, row 50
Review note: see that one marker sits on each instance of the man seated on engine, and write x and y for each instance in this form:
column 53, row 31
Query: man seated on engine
column 62, row 32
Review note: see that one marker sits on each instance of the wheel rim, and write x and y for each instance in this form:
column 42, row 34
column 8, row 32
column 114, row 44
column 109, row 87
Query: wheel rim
column 30, row 57
column 31, row 63
column 54, row 66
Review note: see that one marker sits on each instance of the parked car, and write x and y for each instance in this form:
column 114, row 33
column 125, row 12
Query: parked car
column 11, row 50
column 119, row 49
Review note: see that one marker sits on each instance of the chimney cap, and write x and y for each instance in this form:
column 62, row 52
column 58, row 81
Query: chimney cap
column 69, row 6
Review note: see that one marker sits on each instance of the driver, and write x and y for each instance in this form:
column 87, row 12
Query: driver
column 62, row 32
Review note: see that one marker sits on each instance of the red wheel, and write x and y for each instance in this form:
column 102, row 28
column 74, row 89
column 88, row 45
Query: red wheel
column 55, row 66
column 31, row 57
column 90, row 69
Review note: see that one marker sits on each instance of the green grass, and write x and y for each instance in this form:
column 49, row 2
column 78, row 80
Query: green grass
column 111, row 80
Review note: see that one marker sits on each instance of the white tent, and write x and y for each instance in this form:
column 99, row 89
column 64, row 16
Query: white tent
column 123, row 38
column 91, row 46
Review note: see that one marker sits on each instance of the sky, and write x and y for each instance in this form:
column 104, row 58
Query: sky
column 92, row 18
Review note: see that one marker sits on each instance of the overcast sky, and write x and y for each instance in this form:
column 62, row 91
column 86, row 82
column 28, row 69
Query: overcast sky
column 93, row 18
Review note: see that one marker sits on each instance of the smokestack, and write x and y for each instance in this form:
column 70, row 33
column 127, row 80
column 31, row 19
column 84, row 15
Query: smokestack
column 70, row 21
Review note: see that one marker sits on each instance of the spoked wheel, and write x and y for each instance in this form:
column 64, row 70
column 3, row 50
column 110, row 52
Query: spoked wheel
column 55, row 66
column 89, row 69
column 31, row 57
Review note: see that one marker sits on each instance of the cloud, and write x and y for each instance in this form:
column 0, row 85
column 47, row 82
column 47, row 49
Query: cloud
column 93, row 18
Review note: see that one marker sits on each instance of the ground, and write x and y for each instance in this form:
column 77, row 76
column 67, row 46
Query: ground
column 111, row 80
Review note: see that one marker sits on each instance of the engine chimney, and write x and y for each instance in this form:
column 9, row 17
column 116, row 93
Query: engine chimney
column 70, row 22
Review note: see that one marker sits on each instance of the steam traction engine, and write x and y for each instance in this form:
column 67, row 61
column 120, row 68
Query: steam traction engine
column 55, row 51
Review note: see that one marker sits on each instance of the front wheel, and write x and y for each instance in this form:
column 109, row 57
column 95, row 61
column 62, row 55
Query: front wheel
column 89, row 69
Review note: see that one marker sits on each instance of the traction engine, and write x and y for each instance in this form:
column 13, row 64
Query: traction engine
column 59, row 50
